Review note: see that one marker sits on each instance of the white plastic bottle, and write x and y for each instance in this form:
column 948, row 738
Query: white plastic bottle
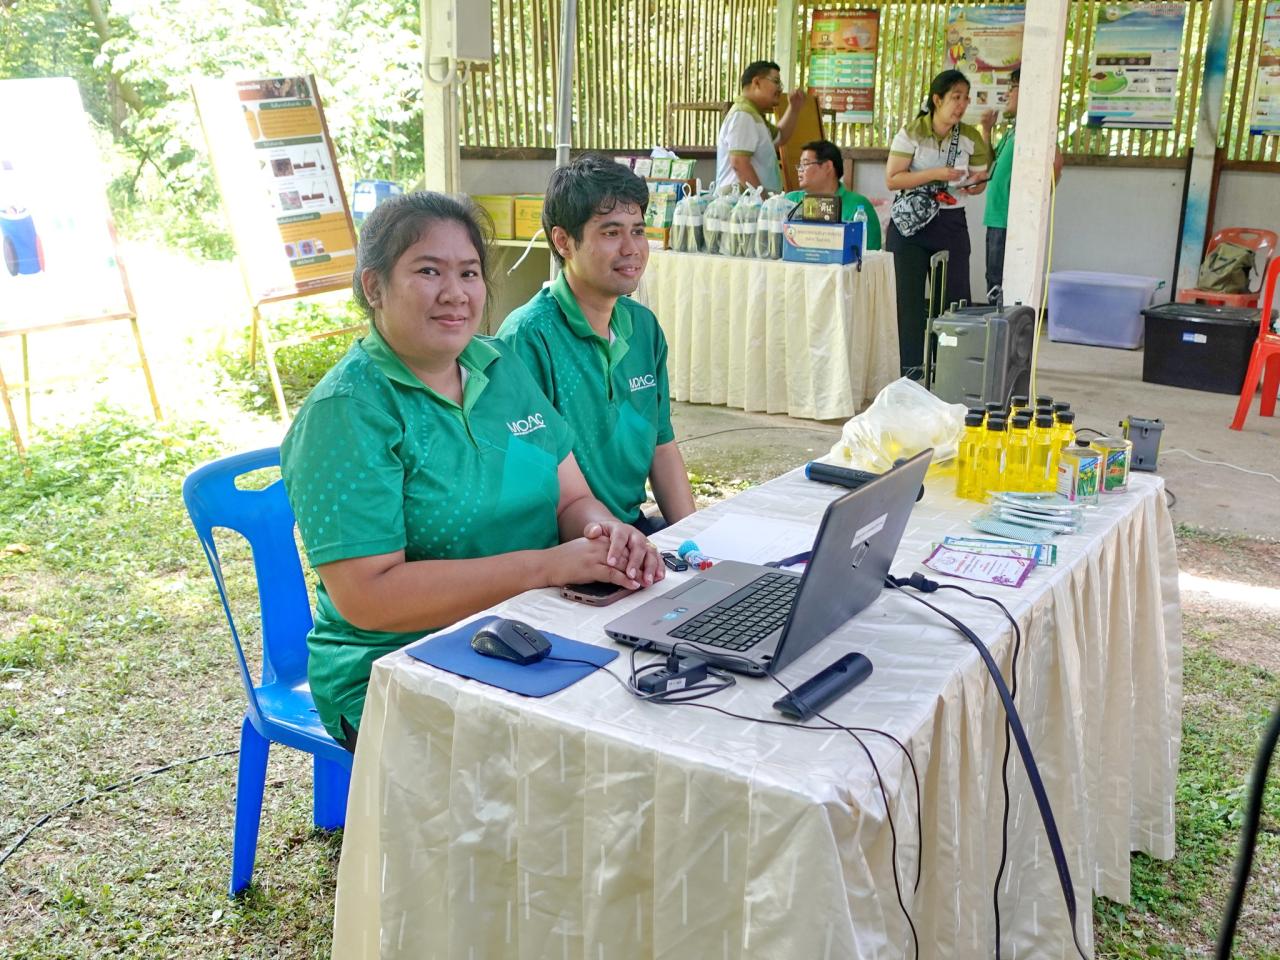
column 860, row 216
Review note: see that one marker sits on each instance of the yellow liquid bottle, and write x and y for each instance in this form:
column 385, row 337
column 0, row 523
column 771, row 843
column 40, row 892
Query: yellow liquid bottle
column 967, row 456
column 1043, row 472
column 991, row 459
column 1064, row 429
column 1017, row 457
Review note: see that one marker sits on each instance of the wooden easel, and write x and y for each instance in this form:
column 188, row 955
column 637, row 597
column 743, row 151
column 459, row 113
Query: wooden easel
column 130, row 314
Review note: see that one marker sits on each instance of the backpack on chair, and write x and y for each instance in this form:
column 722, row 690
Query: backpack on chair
column 1226, row 269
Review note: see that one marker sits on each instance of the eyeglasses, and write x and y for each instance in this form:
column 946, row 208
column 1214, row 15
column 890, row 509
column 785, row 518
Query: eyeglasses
column 804, row 164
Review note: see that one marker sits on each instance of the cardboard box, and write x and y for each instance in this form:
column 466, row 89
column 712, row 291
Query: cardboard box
column 821, row 242
column 501, row 209
column 661, row 210
column 682, row 169
column 660, row 168
column 659, row 237
column 528, row 216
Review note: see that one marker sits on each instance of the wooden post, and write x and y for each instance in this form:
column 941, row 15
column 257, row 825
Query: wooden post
column 784, row 44
column 1202, row 180
column 1027, row 245
column 13, row 420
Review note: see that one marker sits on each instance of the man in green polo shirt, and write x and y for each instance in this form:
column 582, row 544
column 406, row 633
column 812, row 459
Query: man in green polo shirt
column 747, row 145
column 598, row 355
column 996, row 216
column 821, row 171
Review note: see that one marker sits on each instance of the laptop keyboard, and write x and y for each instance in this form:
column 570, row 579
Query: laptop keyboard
column 743, row 619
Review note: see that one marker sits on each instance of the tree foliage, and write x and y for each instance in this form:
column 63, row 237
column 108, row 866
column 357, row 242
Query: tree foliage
column 365, row 56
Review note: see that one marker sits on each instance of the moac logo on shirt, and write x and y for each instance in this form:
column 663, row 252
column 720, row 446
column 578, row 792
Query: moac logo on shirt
column 529, row 424
column 643, row 383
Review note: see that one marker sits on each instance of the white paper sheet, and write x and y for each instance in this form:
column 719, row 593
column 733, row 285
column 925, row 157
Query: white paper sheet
column 754, row 539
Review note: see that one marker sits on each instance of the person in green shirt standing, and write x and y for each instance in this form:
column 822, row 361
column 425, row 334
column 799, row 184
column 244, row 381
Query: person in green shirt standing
column 429, row 476
column 597, row 354
column 996, row 216
column 821, row 171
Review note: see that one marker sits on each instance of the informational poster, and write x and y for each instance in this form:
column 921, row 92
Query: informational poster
column 1265, row 120
column 1133, row 73
column 985, row 44
column 842, row 62
column 280, row 186
column 55, row 226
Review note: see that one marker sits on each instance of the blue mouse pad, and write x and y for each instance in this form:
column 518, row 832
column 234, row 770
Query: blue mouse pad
column 452, row 652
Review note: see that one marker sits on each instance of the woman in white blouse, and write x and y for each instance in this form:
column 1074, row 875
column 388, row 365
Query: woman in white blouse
column 931, row 159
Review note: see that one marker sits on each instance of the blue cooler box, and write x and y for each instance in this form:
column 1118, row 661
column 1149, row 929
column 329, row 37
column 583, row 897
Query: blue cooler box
column 821, row 242
column 1100, row 309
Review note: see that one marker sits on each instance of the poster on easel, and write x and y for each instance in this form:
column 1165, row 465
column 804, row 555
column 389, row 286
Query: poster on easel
column 59, row 254
column 1133, row 72
column 274, row 161
column 1265, row 119
column 842, row 63
column 985, row 44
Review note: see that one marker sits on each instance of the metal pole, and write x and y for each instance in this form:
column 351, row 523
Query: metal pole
column 564, row 92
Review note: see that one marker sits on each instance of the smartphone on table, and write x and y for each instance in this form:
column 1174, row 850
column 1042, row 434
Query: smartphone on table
column 596, row 594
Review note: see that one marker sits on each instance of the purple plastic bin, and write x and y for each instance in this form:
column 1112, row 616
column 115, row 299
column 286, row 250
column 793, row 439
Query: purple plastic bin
column 1100, row 309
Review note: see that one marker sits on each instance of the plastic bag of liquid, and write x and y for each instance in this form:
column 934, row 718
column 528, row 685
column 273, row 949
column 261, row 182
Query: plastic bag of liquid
column 773, row 215
column 739, row 240
column 687, row 232
column 904, row 419
column 715, row 219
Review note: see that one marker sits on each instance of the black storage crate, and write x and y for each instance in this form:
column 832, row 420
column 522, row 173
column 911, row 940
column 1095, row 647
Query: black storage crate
column 1199, row 346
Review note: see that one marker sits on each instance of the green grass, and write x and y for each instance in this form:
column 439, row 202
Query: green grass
column 115, row 659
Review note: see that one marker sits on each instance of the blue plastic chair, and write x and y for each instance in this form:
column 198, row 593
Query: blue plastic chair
column 280, row 708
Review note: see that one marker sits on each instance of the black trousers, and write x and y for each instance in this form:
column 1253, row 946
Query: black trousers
column 996, row 237
column 947, row 231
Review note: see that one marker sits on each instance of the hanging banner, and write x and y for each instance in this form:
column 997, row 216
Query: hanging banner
column 1133, row 73
column 985, row 44
column 274, row 161
column 1265, row 120
column 55, row 226
column 842, row 62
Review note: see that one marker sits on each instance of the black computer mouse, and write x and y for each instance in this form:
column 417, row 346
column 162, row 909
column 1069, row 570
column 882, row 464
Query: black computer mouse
column 511, row 640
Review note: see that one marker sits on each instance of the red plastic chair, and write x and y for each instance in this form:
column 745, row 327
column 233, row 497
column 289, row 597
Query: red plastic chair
column 1264, row 362
column 1262, row 242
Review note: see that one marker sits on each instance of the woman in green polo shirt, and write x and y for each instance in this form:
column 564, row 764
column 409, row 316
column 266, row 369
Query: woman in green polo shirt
column 429, row 475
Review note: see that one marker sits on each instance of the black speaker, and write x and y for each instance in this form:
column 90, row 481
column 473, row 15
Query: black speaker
column 978, row 355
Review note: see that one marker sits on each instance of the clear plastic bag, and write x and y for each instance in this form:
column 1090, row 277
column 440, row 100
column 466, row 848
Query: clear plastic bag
column 687, row 233
column 773, row 215
column 715, row 219
column 739, row 240
column 904, row 419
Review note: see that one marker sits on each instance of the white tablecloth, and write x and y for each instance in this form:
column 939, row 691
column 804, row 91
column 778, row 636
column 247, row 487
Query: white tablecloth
column 810, row 341
column 588, row 825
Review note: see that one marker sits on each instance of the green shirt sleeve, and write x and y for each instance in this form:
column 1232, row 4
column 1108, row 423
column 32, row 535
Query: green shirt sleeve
column 345, row 479
column 665, row 431
column 532, row 350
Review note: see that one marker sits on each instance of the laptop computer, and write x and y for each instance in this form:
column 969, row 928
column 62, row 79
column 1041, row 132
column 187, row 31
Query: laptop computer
column 755, row 620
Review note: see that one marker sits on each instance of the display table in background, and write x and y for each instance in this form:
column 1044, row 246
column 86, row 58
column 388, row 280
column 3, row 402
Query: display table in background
column 810, row 341
column 587, row 824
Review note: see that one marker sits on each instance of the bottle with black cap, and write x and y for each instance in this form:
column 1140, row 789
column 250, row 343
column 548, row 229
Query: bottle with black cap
column 1064, row 429
column 1043, row 473
column 967, row 456
column 1017, row 458
column 991, row 458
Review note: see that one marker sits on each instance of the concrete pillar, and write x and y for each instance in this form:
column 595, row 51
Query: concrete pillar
column 1027, row 243
column 784, row 45
column 441, row 155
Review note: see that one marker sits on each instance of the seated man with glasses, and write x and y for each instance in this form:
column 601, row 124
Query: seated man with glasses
column 821, row 169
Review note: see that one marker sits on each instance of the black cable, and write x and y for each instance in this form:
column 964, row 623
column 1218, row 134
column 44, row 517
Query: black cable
column 1248, row 836
column 1004, row 763
column 1170, row 498
column 115, row 786
column 1080, row 430
column 1020, row 737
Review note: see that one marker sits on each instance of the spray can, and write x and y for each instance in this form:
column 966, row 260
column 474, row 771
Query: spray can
column 1115, row 454
column 1078, row 473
